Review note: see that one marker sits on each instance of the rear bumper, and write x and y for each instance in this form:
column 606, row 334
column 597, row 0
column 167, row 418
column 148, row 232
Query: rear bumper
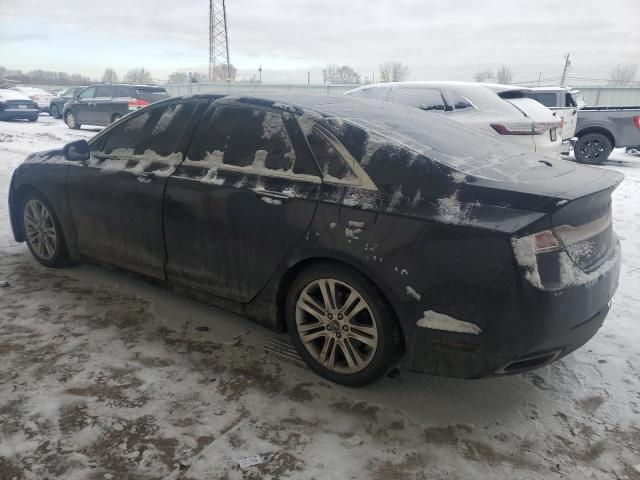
column 525, row 327
column 16, row 114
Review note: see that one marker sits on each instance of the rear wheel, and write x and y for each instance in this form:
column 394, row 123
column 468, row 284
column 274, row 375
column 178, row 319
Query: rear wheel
column 54, row 111
column 340, row 325
column 33, row 119
column 42, row 231
column 592, row 148
column 71, row 120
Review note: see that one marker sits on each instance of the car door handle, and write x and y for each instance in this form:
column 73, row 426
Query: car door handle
column 273, row 195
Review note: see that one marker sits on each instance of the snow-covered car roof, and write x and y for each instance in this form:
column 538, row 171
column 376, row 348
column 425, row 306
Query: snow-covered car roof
column 496, row 87
column 6, row 94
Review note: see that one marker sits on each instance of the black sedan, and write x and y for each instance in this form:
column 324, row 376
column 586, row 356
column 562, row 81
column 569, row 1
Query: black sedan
column 372, row 233
column 17, row 106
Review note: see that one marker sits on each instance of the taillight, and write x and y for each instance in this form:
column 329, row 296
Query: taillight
column 136, row 103
column 522, row 128
column 636, row 120
column 561, row 123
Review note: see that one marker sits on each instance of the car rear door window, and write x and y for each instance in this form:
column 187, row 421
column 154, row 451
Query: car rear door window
column 87, row 93
column 156, row 130
column 241, row 137
column 122, row 91
column 423, row 98
column 374, row 93
column 104, row 92
column 331, row 162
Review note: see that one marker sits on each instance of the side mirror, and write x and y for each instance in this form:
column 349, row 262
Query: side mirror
column 76, row 151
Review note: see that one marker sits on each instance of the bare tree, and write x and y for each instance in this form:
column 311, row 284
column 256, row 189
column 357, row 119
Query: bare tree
column 483, row 76
column 109, row 76
column 178, row 77
column 504, row 75
column 343, row 75
column 393, row 72
column 138, row 75
column 623, row 74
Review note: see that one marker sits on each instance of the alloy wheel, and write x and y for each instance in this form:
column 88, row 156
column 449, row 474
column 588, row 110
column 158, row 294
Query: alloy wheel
column 40, row 229
column 592, row 149
column 71, row 120
column 336, row 325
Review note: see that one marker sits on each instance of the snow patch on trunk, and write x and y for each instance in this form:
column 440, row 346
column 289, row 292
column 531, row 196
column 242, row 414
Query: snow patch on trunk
column 440, row 321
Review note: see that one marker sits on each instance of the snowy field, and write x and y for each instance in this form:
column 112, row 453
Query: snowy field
column 106, row 376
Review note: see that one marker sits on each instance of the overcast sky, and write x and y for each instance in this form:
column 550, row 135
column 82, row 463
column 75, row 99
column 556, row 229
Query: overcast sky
column 437, row 39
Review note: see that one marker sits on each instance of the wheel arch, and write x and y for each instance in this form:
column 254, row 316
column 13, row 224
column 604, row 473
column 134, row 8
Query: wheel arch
column 595, row 129
column 296, row 268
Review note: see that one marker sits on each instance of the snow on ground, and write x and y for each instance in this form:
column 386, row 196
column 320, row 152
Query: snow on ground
column 104, row 375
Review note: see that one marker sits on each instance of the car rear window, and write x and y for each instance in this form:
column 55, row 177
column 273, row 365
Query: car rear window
column 151, row 94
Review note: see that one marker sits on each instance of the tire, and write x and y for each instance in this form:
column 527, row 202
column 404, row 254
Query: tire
column 71, row 121
column 42, row 231
column 33, row 119
column 115, row 117
column 592, row 148
column 54, row 111
column 337, row 329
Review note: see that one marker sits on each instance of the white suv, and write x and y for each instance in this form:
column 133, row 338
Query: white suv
column 501, row 110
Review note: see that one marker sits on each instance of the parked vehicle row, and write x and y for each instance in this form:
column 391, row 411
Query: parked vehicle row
column 371, row 232
column 38, row 95
column 499, row 110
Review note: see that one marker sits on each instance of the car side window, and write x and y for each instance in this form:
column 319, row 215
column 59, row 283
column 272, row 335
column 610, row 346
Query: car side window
column 546, row 99
column 423, row 98
column 104, row 91
column 157, row 130
column 245, row 138
column 87, row 93
column 121, row 91
column 331, row 163
column 458, row 102
column 374, row 93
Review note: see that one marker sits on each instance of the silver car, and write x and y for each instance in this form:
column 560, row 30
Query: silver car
column 500, row 110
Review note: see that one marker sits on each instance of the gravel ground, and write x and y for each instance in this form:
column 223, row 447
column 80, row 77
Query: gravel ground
column 104, row 375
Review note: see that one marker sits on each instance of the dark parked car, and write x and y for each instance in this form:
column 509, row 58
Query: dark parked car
column 56, row 105
column 104, row 104
column 17, row 106
column 370, row 231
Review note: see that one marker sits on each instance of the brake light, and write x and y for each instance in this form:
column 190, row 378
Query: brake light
column 522, row 128
column 636, row 120
column 136, row 103
column 561, row 123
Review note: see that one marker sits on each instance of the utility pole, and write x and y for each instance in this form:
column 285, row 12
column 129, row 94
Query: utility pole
column 260, row 74
column 539, row 78
column 308, row 78
column 218, row 42
column 567, row 64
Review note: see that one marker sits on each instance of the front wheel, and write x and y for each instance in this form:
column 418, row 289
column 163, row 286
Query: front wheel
column 71, row 120
column 592, row 148
column 340, row 325
column 43, row 232
column 54, row 111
